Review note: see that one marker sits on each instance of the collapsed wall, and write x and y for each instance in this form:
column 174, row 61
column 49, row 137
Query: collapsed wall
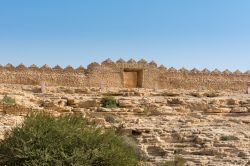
column 130, row 74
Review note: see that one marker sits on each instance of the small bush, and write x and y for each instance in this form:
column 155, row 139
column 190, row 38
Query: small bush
column 147, row 111
column 8, row 100
column 109, row 102
column 64, row 141
column 178, row 161
column 228, row 138
column 110, row 119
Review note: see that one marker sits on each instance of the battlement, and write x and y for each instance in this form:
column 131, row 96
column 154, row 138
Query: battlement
column 130, row 64
column 130, row 74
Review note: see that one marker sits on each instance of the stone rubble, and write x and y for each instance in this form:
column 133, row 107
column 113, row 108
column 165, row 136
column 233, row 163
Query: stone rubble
column 204, row 127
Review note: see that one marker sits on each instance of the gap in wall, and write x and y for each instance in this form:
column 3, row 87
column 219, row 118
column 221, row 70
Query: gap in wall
column 132, row 78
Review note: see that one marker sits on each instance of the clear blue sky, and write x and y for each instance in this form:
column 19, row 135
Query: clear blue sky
column 189, row 33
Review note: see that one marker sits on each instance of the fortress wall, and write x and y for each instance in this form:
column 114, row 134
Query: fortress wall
column 50, row 77
column 110, row 74
column 105, row 76
column 179, row 80
column 151, row 78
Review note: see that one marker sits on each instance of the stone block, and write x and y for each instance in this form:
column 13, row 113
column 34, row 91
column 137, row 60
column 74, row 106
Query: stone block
column 218, row 110
column 126, row 103
column 88, row 103
column 239, row 110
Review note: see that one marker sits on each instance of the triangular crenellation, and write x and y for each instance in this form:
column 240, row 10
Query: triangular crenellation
column 112, row 73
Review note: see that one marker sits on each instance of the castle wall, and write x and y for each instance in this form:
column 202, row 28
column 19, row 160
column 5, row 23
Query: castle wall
column 107, row 76
column 110, row 74
column 204, row 81
column 37, row 77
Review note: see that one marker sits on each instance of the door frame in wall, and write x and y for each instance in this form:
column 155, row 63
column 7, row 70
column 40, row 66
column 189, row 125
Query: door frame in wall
column 140, row 77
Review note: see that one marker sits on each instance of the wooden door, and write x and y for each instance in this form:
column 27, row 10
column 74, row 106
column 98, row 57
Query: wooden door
column 130, row 79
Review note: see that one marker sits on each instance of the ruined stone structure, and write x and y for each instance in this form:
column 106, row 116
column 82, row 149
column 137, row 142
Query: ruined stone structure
column 130, row 74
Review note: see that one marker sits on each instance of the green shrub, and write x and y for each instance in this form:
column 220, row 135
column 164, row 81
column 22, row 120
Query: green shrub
column 147, row 111
column 178, row 161
column 64, row 141
column 8, row 100
column 228, row 138
column 109, row 102
column 110, row 119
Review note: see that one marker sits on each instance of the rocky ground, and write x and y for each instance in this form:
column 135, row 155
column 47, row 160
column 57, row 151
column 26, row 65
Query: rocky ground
column 204, row 127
